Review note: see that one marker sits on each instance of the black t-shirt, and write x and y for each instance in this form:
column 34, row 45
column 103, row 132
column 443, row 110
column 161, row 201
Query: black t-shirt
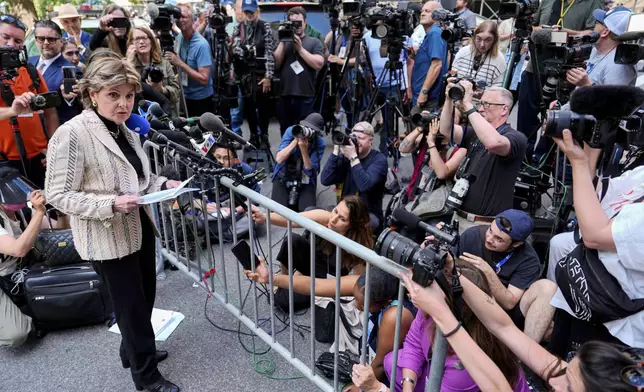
column 299, row 80
column 492, row 190
column 520, row 270
column 324, row 263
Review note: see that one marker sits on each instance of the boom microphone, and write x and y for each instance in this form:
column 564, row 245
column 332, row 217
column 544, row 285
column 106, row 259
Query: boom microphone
column 414, row 222
column 541, row 36
column 212, row 123
column 153, row 11
column 607, row 101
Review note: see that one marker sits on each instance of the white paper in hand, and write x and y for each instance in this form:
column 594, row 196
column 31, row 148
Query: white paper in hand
column 168, row 194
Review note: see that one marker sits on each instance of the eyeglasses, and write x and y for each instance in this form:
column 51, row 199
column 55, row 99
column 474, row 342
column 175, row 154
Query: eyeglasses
column 41, row 40
column 633, row 375
column 486, row 105
column 72, row 53
column 13, row 21
column 140, row 39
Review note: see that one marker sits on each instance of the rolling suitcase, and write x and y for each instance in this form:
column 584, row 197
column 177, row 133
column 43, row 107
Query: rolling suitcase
column 66, row 296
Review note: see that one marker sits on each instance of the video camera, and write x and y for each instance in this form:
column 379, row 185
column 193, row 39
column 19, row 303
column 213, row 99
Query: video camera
column 631, row 53
column 10, row 60
column 426, row 262
column 454, row 28
column 286, row 30
column 163, row 18
column 391, row 25
column 218, row 19
column 518, row 9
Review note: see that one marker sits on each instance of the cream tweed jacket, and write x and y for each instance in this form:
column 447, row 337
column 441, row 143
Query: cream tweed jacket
column 86, row 170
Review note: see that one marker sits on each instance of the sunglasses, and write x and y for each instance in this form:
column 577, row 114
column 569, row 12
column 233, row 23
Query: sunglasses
column 13, row 21
column 42, row 40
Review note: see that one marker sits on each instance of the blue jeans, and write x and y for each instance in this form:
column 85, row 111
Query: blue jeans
column 236, row 114
column 292, row 109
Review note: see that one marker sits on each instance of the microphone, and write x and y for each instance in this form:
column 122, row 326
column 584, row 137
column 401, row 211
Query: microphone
column 181, row 122
column 161, row 138
column 541, row 36
column 212, row 123
column 153, row 11
column 137, row 124
column 414, row 222
column 441, row 14
column 156, row 110
column 172, row 135
column 607, row 101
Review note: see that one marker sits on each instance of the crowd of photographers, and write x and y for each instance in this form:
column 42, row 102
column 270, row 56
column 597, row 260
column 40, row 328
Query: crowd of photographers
column 449, row 76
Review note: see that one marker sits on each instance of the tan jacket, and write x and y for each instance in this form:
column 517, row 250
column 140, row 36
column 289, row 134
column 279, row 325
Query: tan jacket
column 86, row 170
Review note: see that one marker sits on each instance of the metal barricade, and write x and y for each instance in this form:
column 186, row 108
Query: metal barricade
column 178, row 220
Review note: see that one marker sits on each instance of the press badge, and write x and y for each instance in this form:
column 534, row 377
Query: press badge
column 26, row 115
column 305, row 179
column 424, row 179
column 297, row 67
column 343, row 52
column 184, row 79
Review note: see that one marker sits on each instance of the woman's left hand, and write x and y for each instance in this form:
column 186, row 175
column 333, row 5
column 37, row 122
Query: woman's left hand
column 261, row 273
column 170, row 184
column 571, row 148
column 364, row 378
column 430, row 300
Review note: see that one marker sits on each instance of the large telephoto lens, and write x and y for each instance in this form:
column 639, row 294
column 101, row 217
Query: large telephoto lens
column 580, row 125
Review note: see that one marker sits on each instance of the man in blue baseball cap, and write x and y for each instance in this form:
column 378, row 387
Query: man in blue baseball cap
column 601, row 67
column 500, row 251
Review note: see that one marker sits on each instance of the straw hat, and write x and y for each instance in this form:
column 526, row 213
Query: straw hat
column 67, row 11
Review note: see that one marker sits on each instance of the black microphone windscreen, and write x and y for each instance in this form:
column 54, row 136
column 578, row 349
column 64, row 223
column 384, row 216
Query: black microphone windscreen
column 156, row 110
column 169, row 172
column 211, row 123
column 177, row 137
column 607, row 101
column 157, row 124
column 406, row 217
column 542, row 36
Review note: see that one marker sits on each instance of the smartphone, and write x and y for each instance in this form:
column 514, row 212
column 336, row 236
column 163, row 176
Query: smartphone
column 241, row 250
column 69, row 79
column 119, row 23
column 45, row 101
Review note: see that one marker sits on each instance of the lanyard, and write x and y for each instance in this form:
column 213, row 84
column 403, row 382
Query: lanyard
column 497, row 267
column 563, row 13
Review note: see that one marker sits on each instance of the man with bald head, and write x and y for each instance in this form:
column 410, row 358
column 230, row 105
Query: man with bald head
column 431, row 60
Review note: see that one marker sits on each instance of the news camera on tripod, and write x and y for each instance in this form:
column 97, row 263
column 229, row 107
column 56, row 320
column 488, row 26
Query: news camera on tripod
column 252, row 57
column 298, row 163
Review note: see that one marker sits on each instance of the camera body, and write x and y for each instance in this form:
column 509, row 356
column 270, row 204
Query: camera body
column 293, row 187
column 163, row 23
column 518, row 9
column 454, row 28
column 388, row 22
column 286, row 30
column 219, row 19
column 244, row 57
column 457, row 92
column 154, row 73
column 45, row 101
column 10, row 60
column 342, row 139
column 422, row 117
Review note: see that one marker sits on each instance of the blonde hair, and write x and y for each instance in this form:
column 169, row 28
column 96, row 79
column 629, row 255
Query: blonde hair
column 111, row 70
column 155, row 49
column 112, row 43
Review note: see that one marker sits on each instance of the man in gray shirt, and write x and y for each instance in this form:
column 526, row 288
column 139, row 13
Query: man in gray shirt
column 468, row 17
column 297, row 62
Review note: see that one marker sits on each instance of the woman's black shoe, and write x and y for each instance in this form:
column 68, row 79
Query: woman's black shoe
column 161, row 356
column 162, row 385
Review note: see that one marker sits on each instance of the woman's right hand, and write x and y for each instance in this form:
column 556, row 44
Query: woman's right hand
column 258, row 215
column 104, row 22
column 261, row 273
column 126, row 203
column 430, row 299
column 38, row 201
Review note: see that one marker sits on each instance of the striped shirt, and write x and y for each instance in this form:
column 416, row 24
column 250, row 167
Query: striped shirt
column 489, row 69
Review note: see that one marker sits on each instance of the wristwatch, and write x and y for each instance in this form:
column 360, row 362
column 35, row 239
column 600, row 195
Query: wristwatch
column 467, row 113
column 407, row 379
column 353, row 159
column 424, row 91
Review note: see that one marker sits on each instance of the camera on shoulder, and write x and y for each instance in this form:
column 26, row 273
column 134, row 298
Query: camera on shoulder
column 286, row 30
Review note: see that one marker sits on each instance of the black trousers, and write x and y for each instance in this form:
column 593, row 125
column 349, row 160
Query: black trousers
column 292, row 109
column 197, row 107
column 306, row 199
column 258, row 111
column 131, row 282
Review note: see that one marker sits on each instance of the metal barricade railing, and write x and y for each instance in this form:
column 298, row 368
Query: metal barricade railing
column 193, row 267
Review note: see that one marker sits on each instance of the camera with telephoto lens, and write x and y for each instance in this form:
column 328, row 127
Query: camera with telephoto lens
column 342, row 139
column 421, row 117
column 461, row 186
column 293, row 187
column 457, row 92
column 154, row 73
column 518, row 9
column 302, row 132
column 582, row 126
column 286, row 30
column 426, row 263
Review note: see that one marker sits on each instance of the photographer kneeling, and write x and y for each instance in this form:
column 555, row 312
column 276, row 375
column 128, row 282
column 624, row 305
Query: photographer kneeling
column 159, row 81
column 601, row 275
column 494, row 151
column 298, row 164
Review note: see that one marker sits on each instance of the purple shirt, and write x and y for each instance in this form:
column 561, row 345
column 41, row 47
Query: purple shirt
column 414, row 354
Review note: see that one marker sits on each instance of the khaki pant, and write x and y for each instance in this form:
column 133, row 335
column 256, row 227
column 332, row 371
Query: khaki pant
column 14, row 325
column 464, row 224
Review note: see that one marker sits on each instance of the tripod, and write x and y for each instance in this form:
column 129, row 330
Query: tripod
column 391, row 104
column 220, row 53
